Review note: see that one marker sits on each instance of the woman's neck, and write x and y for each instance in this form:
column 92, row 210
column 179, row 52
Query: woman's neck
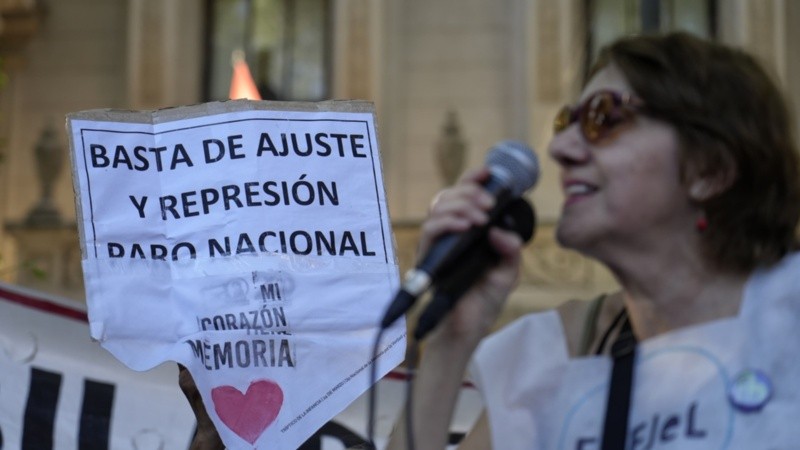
column 662, row 296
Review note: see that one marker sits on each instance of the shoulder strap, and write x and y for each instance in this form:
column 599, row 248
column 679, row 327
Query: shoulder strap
column 623, row 352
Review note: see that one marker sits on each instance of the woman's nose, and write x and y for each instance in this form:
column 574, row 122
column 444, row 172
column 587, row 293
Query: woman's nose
column 568, row 147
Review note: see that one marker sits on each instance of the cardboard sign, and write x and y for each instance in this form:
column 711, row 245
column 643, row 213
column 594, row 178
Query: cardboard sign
column 249, row 241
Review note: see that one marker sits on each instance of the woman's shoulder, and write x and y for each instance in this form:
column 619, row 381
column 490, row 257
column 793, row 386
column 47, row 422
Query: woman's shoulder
column 774, row 287
column 575, row 327
column 582, row 322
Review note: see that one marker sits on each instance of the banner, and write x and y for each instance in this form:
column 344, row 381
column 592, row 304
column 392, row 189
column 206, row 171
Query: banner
column 59, row 390
column 249, row 241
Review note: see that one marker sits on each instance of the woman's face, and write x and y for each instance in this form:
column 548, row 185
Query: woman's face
column 624, row 189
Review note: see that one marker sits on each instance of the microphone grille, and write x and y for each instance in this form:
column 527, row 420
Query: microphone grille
column 516, row 163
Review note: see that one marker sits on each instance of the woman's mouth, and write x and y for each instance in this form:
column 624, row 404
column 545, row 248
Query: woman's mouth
column 576, row 191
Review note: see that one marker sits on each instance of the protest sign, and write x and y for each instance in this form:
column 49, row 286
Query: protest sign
column 61, row 391
column 249, row 241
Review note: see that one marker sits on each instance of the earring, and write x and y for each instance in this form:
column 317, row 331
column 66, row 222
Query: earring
column 701, row 224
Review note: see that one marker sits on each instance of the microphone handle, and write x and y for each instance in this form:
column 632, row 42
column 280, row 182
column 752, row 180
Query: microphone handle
column 454, row 286
column 402, row 302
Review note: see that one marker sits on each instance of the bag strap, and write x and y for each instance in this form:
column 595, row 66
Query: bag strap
column 589, row 332
column 623, row 352
column 615, row 325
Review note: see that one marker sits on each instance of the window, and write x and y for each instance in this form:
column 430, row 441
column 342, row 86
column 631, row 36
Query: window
column 610, row 19
column 285, row 42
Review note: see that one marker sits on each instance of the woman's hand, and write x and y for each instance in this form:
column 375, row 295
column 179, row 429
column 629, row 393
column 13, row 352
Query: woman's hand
column 206, row 437
column 455, row 210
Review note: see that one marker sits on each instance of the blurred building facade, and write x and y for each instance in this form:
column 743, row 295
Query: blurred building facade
column 447, row 76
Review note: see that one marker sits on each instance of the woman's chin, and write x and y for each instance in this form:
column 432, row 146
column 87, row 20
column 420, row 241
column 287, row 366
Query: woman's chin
column 573, row 238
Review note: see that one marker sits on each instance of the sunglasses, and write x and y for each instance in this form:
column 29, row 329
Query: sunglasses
column 600, row 115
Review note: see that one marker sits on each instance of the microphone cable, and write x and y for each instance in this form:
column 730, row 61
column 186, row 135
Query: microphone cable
column 373, row 384
column 413, row 354
column 409, row 403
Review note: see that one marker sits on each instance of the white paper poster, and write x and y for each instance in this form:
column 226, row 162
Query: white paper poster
column 249, row 241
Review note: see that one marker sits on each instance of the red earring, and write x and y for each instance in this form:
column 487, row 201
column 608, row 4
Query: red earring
column 701, row 224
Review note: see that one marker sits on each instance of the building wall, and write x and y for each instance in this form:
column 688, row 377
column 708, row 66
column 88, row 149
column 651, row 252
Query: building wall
column 792, row 18
column 503, row 66
column 76, row 60
column 444, row 55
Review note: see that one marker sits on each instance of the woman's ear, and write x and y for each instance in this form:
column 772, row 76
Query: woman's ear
column 711, row 183
column 701, row 189
column 705, row 188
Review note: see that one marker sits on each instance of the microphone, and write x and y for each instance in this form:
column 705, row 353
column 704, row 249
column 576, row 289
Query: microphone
column 513, row 169
column 518, row 217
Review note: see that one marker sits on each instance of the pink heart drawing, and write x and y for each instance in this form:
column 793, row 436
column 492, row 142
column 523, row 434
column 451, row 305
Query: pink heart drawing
column 248, row 414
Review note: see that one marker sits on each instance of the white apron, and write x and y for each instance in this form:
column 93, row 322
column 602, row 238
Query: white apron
column 728, row 384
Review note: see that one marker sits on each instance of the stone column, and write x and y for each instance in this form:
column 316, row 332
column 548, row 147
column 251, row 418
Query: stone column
column 165, row 57
column 20, row 21
column 550, row 274
column 353, row 73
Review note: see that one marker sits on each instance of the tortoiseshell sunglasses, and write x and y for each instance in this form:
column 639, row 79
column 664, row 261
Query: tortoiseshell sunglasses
column 599, row 115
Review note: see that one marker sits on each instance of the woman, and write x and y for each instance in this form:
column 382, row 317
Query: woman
column 680, row 175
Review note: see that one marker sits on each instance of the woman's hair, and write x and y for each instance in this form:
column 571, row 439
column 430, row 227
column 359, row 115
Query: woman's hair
column 734, row 128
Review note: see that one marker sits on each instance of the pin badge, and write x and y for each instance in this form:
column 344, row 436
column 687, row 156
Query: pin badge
column 750, row 390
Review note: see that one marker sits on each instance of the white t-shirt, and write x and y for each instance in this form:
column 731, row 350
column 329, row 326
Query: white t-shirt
column 727, row 384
